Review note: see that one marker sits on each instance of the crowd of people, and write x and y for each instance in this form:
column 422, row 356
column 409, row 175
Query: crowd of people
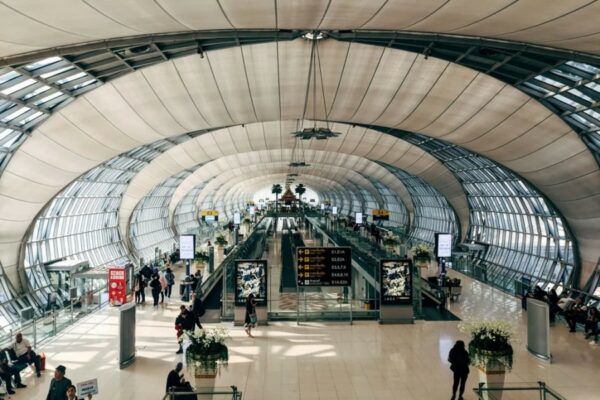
column 572, row 309
column 161, row 284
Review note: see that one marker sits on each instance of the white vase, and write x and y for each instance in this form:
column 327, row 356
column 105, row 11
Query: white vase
column 492, row 376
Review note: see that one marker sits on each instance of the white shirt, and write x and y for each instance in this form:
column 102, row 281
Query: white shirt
column 21, row 348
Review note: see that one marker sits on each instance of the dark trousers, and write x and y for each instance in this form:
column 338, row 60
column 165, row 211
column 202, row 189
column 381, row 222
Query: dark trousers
column 35, row 360
column 459, row 377
column 155, row 297
column 198, row 322
column 168, row 291
column 143, row 294
column 7, row 378
column 162, row 296
column 592, row 327
column 572, row 322
column 137, row 296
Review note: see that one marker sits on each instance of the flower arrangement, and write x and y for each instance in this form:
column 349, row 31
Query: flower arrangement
column 391, row 240
column 490, row 343
column 207, row 348
column 421, row 251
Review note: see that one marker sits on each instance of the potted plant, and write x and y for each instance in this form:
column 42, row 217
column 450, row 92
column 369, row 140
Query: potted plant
column 490, row 349
column 421, row 253
column 206, row 352
column 200, row 259
column 221, row 241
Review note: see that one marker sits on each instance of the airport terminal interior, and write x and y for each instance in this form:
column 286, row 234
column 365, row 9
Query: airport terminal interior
column 300, row 199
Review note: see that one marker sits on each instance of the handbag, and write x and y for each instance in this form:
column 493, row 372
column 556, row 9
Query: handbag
column 253, row 318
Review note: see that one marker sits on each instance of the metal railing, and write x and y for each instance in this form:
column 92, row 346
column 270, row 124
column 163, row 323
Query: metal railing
column 231, row 393
column 517, row 391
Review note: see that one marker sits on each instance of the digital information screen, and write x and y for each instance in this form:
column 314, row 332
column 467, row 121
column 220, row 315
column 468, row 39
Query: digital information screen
column 187, row 247
column 443, row 245
column 359, row 218
column 396, row 282
column 324, row 266
column 237, row 218
column 251, row 277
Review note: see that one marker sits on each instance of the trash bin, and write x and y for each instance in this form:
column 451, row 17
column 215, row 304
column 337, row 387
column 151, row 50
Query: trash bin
column 43, row 362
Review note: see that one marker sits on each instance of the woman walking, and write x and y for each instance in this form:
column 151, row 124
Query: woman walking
column 170, row 277
column 459, row 364
column 250, row 320
column 163, row 287
column 155, row 285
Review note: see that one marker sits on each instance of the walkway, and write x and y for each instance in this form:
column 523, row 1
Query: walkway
column 317, row 360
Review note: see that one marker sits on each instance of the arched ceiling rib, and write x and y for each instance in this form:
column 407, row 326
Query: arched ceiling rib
column 363, row 84
column 31, row 25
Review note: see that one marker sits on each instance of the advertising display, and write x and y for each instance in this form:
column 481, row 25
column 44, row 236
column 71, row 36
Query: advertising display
column 381, row 214
column 237, row 218
column 334, row 210
column 359, row 218
column 443, row 245
column 251, row 277
column 322, row 206
column 324, row 266
column 187, row 247
column 117, row 286
column 396, row 282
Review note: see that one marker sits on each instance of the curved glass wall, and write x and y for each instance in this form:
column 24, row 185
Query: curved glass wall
column 82, row 221
column 525, row 240
column 432, row 212
column 150, row 227
column 185, row 217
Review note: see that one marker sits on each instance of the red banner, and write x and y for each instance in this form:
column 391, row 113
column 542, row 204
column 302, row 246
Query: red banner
column 117, row 287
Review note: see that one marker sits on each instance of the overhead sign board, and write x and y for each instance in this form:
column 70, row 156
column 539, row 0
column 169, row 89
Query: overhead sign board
column 187, row 247
column 380, row 214
column 443, row 245
column 251, row 277
column 324, row 266
column 396, row 282
column 209, row 215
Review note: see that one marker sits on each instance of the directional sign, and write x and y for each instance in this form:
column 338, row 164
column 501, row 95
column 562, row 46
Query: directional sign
column 324, row 266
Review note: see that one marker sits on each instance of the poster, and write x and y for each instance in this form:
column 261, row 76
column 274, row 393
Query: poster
column 187, row 247
column 334, row 210
column 251, row 277
column 396, row 282
column 443, row 245
column 237, row 218
column 117, row 286
column 87, row 387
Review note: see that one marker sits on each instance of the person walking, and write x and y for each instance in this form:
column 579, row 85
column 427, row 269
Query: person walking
column 250, row 319
column 163, row 287
column 170, row 277
column 155, row 285
column 459, row 364
column 198, row 309
column 59, row 384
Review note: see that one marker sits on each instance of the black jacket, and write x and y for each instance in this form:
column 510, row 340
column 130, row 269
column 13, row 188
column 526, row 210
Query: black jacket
column 459, row 361
column 173, row 381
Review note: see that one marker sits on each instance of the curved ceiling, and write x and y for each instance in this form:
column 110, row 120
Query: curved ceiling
column 30, row 25
column 267, row 82
column 352, row 169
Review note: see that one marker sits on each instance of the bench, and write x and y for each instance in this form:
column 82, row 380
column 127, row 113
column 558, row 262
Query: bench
column 11, row 361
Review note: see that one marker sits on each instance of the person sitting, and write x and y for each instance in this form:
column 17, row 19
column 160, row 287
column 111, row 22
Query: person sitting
column 22, row 353
column 177, row 383
column 7, row 371
column 572, row 313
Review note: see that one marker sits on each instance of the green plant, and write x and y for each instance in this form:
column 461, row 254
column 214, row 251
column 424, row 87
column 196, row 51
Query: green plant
column 221, row 241
column 490, row 342
column 421, row 251
column 200, row 256
column 207, row 348
column 391, row 240
column 276, row 190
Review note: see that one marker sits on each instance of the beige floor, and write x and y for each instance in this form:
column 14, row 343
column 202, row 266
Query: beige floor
column 319, row 360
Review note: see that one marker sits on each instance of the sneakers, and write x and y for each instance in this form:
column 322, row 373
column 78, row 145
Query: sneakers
column 21, row 386
column 11, row 391
column 179, row 351
column 38, row 374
